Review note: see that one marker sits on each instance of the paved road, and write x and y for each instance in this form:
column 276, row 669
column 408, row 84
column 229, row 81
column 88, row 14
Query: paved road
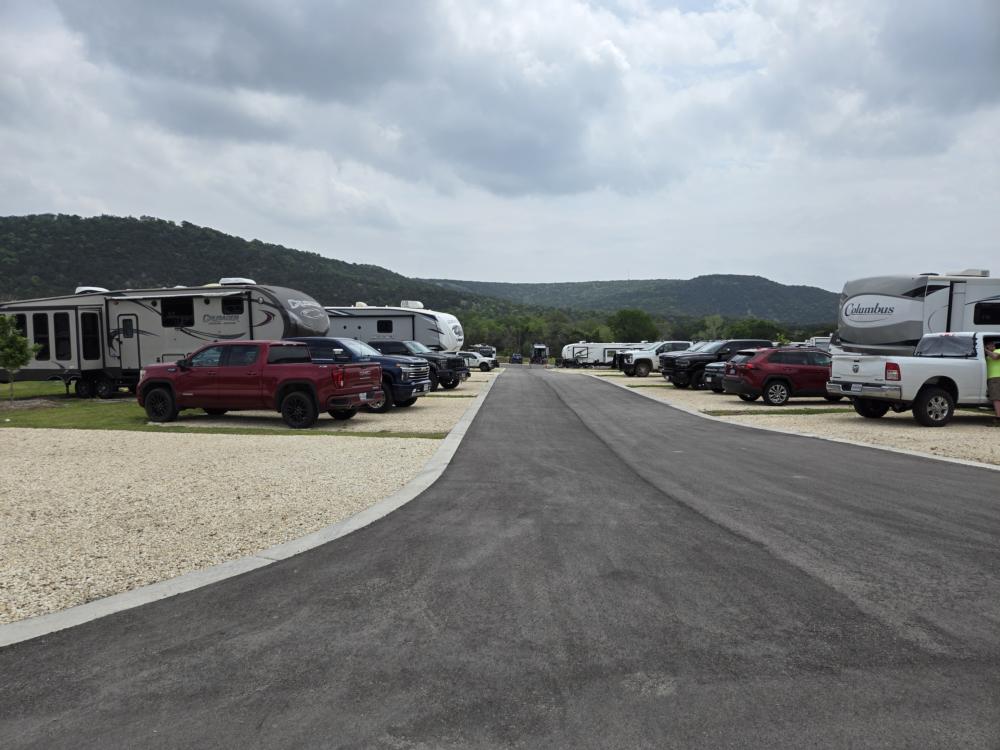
column 594, row 570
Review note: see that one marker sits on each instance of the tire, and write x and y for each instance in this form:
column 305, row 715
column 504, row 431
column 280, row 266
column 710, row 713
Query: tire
column 870, row 408
column 434, row 379
column 450, row 385
column 105, row 388
column 832, row 399
column 160, row 406
column 747, row 397
column 484, row 367
column 698, row 381
column 776, row 393
column 642, row 369
column 678, row 384
column 343, row 414
column 407, row 402
column 933, row 407
column 215, row 412
column 716, row 389
column 298, row 410
column 629, row 373
column 386, row 403
column 83, row 388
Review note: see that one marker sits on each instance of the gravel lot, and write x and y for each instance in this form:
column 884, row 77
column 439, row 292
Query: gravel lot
column 970, row 436
column 86, row 514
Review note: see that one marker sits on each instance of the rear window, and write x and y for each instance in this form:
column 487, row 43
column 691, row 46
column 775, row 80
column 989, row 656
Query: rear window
column 739, row 358
column 283, row 355
column 946, row 346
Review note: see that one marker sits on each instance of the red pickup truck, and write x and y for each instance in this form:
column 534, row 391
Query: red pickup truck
column 241, row 375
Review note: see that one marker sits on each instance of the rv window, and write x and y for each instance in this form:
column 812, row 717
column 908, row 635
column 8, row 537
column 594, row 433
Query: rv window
column 986, row 314
column 207, row 357
column 281, row 355
column 40, row 326
column 64, row 348
column 242, row 355
column 21, row 324
column 128, row 328
column 90, row 336
column 232, row 305
column 384, row 326
column 177, row 312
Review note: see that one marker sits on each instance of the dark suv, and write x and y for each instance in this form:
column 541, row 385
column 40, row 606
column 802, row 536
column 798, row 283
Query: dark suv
column 685, row 369
column 779, row 374
column 447, row 368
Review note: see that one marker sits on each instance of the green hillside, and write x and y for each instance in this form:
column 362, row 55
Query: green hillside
column 719, row 294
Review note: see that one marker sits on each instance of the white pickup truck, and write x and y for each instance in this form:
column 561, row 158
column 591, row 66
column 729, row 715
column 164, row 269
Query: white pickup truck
column 946, row 370
column 640, row 362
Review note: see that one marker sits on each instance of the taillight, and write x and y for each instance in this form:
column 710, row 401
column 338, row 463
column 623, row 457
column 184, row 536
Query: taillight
column 749, row 366
column 892, row 371
column 338, row 376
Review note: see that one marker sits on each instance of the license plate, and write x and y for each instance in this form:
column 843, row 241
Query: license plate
column 364, row 396
column 855, row 387
column 423, row 389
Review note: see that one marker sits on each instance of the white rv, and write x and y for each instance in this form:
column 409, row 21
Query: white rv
column 408, row 322
column 592, row 354
column 99, row 339
column 889, row 314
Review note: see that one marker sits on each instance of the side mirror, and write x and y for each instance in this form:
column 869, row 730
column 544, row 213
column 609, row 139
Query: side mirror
column 184, row 364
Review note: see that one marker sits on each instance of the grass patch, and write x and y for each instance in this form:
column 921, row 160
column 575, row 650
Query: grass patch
column 648, row 385
column 800, row 411
column 35, row 389
column 127, row 415
column 451, row 395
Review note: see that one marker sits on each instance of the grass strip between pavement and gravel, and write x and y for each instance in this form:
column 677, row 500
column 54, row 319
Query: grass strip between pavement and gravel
column 74, row 414
column 800, row 412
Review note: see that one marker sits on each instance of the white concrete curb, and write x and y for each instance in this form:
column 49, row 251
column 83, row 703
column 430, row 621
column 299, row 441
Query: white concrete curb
column 33, row 627
column 904, row 451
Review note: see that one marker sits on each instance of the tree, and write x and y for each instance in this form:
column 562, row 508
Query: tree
column 15, row 351
column 713, row 327
column 633, row 325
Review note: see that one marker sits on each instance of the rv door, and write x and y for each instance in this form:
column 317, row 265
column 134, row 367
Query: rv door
column 956, row 307
column 128, row 342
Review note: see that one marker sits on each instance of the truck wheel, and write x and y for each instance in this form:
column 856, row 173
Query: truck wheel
column 408, row 402
column 869, row 408
column 449, row 385
column 680, row 383
column 484, row 367
column 747, row 397
column 434, row 379
column 343, row 414
column 83, row 388
column 105, row 388
column 698, row 380
column 385, row 403
column 629, row 372
column 160, row 406
column 933, row 407
column 776, row 393
column 642, row 369
column 215, row 412
column 298, row 410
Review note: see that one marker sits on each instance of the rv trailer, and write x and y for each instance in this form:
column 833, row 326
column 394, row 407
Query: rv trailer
column 592, row 354
column 99, row 340
column 889, row 314
column 408, row 322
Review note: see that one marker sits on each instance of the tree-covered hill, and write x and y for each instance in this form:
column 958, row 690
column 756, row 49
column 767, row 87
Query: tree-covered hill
column 727, row 295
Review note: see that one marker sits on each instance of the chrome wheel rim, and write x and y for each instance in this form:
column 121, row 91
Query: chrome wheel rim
column 777, row 394
column 937, row 408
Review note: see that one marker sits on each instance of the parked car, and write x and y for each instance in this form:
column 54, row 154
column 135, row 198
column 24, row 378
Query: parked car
column 241, row 375
column 516, row 358
column 713, row 376
column 779, row 374
column 640, row 362
column 946, row 370
column 404, row 378
column 446, row 369
column 476, row 361
column 687, row 369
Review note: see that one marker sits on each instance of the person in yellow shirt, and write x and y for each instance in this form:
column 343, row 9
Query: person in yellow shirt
column 993, row 375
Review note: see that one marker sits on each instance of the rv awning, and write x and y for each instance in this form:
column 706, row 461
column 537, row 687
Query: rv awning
column 180, row 293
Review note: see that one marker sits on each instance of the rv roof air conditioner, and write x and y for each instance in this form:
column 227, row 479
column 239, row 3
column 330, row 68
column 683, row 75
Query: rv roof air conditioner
column 412, row 304
column 980, row 272
column 90, row 290
column 235, row 281
column 360, row 304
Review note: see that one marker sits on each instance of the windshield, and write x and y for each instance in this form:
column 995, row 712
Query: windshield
column 416, row 347
column 946, row 346
column 359, row 348
column 697, row 346
column 711, row 347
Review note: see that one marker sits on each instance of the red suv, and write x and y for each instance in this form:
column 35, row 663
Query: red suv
column 779, row 374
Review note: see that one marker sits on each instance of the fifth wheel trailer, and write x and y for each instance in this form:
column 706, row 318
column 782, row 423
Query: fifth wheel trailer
column 100, row 340
column 889, row 314
column 408, row 322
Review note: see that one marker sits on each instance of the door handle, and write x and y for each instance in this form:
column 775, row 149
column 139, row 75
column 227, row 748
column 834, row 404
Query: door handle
column 251, row 373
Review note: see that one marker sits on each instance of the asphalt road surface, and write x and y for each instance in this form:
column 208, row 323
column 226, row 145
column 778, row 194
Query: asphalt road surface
column 594, row 570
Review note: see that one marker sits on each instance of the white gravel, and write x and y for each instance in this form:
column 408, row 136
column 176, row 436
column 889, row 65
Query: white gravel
column 87, row 514
column 971, row 436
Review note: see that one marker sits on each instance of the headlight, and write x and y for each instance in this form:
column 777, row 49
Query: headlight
column 681, row 363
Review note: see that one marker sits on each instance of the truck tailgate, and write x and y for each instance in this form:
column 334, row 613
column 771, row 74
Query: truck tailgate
column 858, row 368
column 362, row 376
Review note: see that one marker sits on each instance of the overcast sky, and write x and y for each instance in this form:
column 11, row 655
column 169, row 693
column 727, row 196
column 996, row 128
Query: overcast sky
column 543, row 140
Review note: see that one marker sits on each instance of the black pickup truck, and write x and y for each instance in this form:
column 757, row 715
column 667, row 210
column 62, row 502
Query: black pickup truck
column 687, row 369
column 447, row 369
column 404, row 378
